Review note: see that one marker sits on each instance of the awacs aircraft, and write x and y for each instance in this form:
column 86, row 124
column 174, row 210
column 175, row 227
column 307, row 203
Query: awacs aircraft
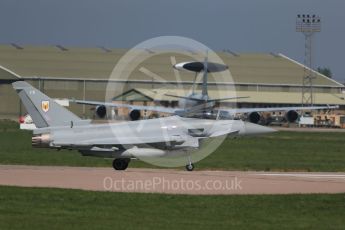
column 58, row 128
column 200, row 105
column 194, row 105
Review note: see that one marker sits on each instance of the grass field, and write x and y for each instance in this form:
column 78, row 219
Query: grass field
column 29, row 208
column 281, row 151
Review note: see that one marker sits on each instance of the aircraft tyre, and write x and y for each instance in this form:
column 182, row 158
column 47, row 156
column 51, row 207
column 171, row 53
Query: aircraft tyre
column 120, row 163
column 190, row 167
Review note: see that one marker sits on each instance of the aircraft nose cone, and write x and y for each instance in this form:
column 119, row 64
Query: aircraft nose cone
column 254, row 129
column 179, row 66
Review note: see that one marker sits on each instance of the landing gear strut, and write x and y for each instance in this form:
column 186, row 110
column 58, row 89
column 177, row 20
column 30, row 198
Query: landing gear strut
column 121, row 163
column 190, row 165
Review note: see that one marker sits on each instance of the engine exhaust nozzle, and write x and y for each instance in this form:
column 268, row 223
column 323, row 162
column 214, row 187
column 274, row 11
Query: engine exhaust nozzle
column 42, row 140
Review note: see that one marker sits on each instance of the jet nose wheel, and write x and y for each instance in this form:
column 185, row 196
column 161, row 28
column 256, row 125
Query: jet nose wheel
column 190, row 167
column 120, row 163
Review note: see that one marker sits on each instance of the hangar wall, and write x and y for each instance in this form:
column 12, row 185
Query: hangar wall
column 81, row 73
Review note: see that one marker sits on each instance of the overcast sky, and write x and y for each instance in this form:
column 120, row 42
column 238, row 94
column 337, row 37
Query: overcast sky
column 241, row 25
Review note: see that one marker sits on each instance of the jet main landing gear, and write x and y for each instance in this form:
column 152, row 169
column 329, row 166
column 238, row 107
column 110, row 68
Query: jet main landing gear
column 121, row 163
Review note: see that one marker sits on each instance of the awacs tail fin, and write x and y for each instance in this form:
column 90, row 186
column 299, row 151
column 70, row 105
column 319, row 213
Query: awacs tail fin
column 44, row 111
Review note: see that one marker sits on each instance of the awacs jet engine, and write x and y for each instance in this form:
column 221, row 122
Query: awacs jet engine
column 255, row 117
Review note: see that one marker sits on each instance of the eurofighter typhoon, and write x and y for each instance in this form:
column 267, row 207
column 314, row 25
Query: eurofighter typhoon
column 58, row 128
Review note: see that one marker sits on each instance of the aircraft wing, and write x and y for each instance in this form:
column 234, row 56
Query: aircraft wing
column 271, row 109
column 120, row 105
column 161, row 109
column 121, row 140
column 202, row 100
column 200, row 107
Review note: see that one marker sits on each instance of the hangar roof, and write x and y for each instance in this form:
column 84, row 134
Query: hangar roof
column 98, row 63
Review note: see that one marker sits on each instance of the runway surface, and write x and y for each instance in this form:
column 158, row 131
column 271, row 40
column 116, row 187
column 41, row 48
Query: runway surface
column 171, row 181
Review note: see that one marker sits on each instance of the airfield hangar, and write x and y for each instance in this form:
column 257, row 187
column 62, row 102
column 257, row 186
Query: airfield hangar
column 83, row 73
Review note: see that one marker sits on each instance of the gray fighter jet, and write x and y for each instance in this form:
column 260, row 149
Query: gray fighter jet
column 58, row 128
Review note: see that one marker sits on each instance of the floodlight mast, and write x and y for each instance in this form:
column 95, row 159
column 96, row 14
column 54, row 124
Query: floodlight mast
column 308, row 25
